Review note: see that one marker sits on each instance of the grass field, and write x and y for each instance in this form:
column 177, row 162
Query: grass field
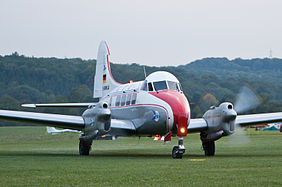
column 30, row 157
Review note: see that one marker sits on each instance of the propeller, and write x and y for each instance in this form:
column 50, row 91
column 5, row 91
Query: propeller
column 246, row 100
column 239, row 138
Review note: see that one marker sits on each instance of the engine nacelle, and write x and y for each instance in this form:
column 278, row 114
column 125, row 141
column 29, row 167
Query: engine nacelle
column 97, row 121
column 220, row 121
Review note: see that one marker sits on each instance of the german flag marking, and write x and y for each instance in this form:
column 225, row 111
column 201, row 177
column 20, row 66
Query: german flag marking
column 104, row 79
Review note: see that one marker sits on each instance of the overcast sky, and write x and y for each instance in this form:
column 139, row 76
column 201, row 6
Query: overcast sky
column 155, row 32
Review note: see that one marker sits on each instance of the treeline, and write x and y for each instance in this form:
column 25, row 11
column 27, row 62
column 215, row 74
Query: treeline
column 267, row 69
column 205, row 82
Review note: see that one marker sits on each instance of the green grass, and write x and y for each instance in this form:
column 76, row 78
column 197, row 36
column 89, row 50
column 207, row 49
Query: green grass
column 30, row 157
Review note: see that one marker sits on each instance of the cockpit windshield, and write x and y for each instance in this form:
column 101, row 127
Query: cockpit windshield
column 161, row 80
column 160, row 85
column 174, row 86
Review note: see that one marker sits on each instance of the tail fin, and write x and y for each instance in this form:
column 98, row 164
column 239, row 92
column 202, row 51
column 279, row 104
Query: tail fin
column 104, row 81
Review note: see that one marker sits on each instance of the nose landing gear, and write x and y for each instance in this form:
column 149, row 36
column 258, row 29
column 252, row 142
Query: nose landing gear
column 179, row 150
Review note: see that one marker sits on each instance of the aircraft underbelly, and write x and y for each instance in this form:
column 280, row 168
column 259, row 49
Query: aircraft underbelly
column 148, row 119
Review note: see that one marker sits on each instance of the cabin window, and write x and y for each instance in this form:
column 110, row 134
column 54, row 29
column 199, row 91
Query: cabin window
column 122, row 103
column 173, row 85
column 113, row 100
column 160, row 85
column 128, row 98
column 150, row 87
column 133, row 98
column 118, row 100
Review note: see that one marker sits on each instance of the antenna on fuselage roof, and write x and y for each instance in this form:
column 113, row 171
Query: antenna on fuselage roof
column 145, row 71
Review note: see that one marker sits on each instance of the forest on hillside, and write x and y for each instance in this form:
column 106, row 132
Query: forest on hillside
column 205, row 82
column 266, row 69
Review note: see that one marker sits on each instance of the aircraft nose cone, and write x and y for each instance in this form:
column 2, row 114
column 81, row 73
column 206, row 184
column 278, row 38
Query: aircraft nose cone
column 180, row 108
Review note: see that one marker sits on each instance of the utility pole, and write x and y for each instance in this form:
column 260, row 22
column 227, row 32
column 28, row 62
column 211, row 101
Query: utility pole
column 270, row 53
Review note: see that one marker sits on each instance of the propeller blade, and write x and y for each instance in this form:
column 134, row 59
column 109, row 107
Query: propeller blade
column 239, row 138
column 246, row 100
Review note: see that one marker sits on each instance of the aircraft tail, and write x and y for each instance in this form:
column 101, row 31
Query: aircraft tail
column 51, row 130
column 103, row 81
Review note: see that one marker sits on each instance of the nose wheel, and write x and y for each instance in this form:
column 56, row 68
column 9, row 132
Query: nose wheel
column 179, row 150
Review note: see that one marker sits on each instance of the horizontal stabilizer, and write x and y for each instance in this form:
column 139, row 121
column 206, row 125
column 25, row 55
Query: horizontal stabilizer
column 59, row 105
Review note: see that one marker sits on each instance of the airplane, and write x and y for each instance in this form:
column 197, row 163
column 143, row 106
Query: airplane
column 154, row 106
column 53, row 130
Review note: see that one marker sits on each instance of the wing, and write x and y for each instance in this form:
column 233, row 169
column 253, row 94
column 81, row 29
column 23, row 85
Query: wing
column 259, row 118
column 118, row 127
column 122, row 127
column 197, row 125
column 62, row 105
column 56, row 120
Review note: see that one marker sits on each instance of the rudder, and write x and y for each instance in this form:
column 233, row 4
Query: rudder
column 103, row 81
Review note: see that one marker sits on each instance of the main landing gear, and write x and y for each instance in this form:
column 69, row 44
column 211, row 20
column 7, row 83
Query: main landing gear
column 209, row 148
column 84, row 147
column 178, row 151
column 208, row 145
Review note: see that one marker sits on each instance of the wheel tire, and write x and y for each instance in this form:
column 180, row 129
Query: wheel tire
column 84, row 147
column 209, row 148
column 175, row 154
